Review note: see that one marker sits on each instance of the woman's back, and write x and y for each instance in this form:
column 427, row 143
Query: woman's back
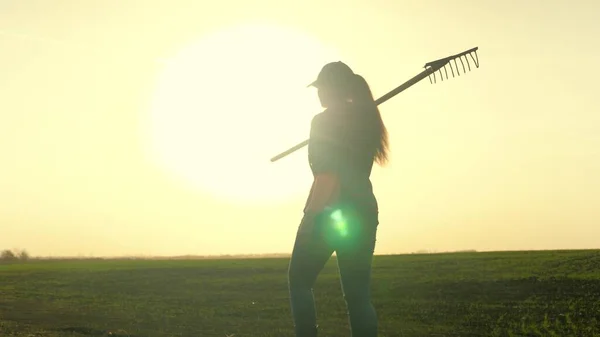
column 344, row 141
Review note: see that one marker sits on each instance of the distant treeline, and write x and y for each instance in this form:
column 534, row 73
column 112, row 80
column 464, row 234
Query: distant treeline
column 436, row 252
column 14, row 255
column 17, row 255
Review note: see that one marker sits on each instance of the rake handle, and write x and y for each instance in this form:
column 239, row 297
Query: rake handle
column 399, row 89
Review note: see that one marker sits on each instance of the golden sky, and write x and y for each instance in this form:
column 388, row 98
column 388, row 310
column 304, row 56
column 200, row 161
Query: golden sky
column 146, row 127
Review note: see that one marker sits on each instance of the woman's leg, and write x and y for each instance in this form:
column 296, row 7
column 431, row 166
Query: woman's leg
column 354, row 261
column 309, row 256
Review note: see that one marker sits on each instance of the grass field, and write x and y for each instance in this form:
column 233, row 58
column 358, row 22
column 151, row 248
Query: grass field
column 545, row 293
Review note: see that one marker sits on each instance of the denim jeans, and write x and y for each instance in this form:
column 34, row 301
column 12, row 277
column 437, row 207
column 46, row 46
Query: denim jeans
column 351, row 235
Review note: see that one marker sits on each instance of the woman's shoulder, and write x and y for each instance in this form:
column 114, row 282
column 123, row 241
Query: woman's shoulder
column 332, row 116
column 324, row 120
column 318, row 118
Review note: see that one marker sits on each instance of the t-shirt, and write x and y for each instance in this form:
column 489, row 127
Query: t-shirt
column 342, row 141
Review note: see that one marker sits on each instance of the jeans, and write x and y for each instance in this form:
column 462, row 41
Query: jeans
column 351, row 235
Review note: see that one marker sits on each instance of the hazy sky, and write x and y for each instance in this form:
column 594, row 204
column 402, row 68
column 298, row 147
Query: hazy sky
column 146, row 127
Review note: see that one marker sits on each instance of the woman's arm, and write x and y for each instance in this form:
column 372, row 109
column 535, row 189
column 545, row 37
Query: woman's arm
column 324, row 192
column 324, row 149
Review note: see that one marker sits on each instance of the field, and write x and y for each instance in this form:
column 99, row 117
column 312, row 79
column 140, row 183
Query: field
column 543, row 293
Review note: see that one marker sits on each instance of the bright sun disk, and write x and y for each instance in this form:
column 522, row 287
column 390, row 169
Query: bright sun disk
column 225, row 105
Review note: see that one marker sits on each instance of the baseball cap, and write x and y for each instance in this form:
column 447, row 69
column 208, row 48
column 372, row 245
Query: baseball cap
column 333, row 73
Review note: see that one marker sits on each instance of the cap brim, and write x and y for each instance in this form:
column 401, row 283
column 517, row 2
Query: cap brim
column 313, row 84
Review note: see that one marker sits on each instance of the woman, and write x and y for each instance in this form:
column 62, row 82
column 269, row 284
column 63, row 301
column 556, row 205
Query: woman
column 341, row 212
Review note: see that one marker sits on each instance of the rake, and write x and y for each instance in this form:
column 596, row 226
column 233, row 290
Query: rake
column 431, row 68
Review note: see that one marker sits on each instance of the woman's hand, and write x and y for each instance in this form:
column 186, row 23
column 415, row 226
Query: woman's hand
column 324, row 193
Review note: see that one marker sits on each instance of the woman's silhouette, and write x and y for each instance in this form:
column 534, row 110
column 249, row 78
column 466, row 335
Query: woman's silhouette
column 341, row 213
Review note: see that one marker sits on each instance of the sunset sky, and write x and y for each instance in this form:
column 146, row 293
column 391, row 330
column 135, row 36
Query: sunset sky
column 146, row 127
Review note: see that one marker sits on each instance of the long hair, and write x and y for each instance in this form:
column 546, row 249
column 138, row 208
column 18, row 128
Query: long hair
column 361, row 93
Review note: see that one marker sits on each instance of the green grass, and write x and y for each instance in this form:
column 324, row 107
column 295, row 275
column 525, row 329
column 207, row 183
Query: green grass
column 546, row 293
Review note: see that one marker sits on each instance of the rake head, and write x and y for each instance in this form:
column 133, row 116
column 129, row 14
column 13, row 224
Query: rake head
column 438, row 65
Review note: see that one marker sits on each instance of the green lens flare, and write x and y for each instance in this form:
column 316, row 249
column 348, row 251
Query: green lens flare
column 337, row 215
column 339, row 222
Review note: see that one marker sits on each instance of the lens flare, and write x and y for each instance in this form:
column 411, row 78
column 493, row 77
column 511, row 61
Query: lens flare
column 339, row 222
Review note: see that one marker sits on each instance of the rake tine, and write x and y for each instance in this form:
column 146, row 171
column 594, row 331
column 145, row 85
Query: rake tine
column 468, row 64
column 446, row 71
column 457, row 69
column 452, row 70
column 461, row 62
column 475, row 58
column 441, row 75
column 429, row 76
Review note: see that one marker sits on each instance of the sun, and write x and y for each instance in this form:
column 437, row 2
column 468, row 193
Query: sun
column 225, row 105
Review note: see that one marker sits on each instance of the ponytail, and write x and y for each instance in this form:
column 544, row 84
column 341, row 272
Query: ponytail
column 361, row 94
